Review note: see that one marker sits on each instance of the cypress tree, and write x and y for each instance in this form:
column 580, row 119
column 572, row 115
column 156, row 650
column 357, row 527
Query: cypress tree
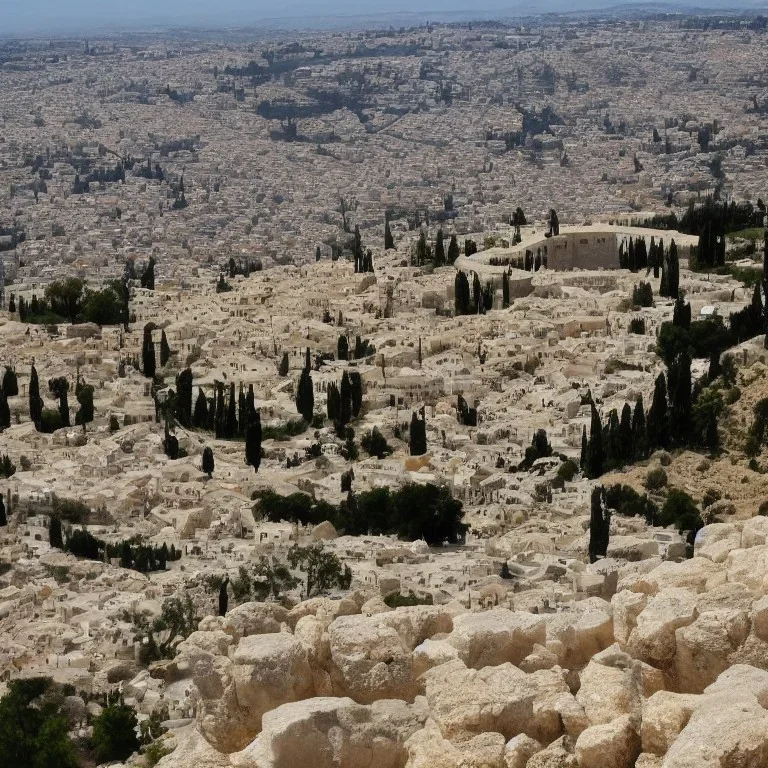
column 148, row 276
column 674, row 271
column 200, row 416
column 35, row 401
column 305, row 396
column 284, row 366
column 208, row 463
column 253, row 442
column 3, row 516
column 595, row 452
column 418, row 434
column 55, row 538
column 184, row 398
column 345, row 400
column 625, row 434
column 5, row 412
column 342, row 348
column 242, row 411
column 333, row 404
column 250, row 405
column 230, row 425
column 439, row 249
column 148, row 362
column 223, row 597
column 211, row 425
column 599, row 525
column 681, row 314
column 389, row 242
column 613, row 444
column 165, row 350
column 680, row 398
column 477, row 294
column 657, row 425
column 10, row 386
column 453, row 249
column 221, row 412
column 584, row 449
column 59, row 387
column 505, row 290
column 356, row 393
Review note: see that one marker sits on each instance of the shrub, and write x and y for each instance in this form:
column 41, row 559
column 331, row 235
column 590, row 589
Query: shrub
column 567, row 470
column 656, row 480
column 710, row 497
column 396, row 600
column 681, row 511
column 114, row 733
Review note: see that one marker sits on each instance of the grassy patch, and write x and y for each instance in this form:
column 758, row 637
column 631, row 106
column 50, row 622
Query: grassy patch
column 753, row 233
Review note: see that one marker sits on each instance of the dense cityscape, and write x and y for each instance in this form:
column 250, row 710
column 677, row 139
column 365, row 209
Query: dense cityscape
column 386, row 398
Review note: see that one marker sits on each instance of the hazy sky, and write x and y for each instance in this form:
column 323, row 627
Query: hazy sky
column 51, row 16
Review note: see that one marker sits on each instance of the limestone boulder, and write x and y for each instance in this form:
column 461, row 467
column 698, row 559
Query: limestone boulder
column 627, row 606
column 665, row 714
column 653, row 638
column 188, row 749
column 498, row 636
column 415, row 624
column 330, row 732
column 754, row 533
column 432, row 653
column 323, row 532
column 465, row 702
column 698, row 574
column 749, row 567
column 559, row 754
column 728, row 731
column 370, row 661
column 264, row 672
column 519, row 750
column 610, row 745
column 705, row 647
column 254, row 619
column 716, row 541
column 323, row 608
column 539, row 658
column 428, row 749
column 574, row 636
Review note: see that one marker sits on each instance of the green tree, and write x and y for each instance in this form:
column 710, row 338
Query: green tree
column 35, row 401
column 159, row 636
column 595, row 451
column 284, row 366
column 439, row 249
column 114, row 733
column 148, row 362
column 657, row 424
column 84, row 395
column 65, row 297
column 322, row 568
column 375, row 444
column 208, row 462
column 184, row 398
column 305, row 396
column 55, row 538
column 253, row 442
column 389, row 242
column 342, row 348
column 200, row 416
column 165, row 350
column 148, row 276
column 33, row 731
column 418, row 434
column 10, row 384
column 59, row 388
column 453, row 249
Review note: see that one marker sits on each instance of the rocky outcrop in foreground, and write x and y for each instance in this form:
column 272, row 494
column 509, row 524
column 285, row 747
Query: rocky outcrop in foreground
column 671, row 673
